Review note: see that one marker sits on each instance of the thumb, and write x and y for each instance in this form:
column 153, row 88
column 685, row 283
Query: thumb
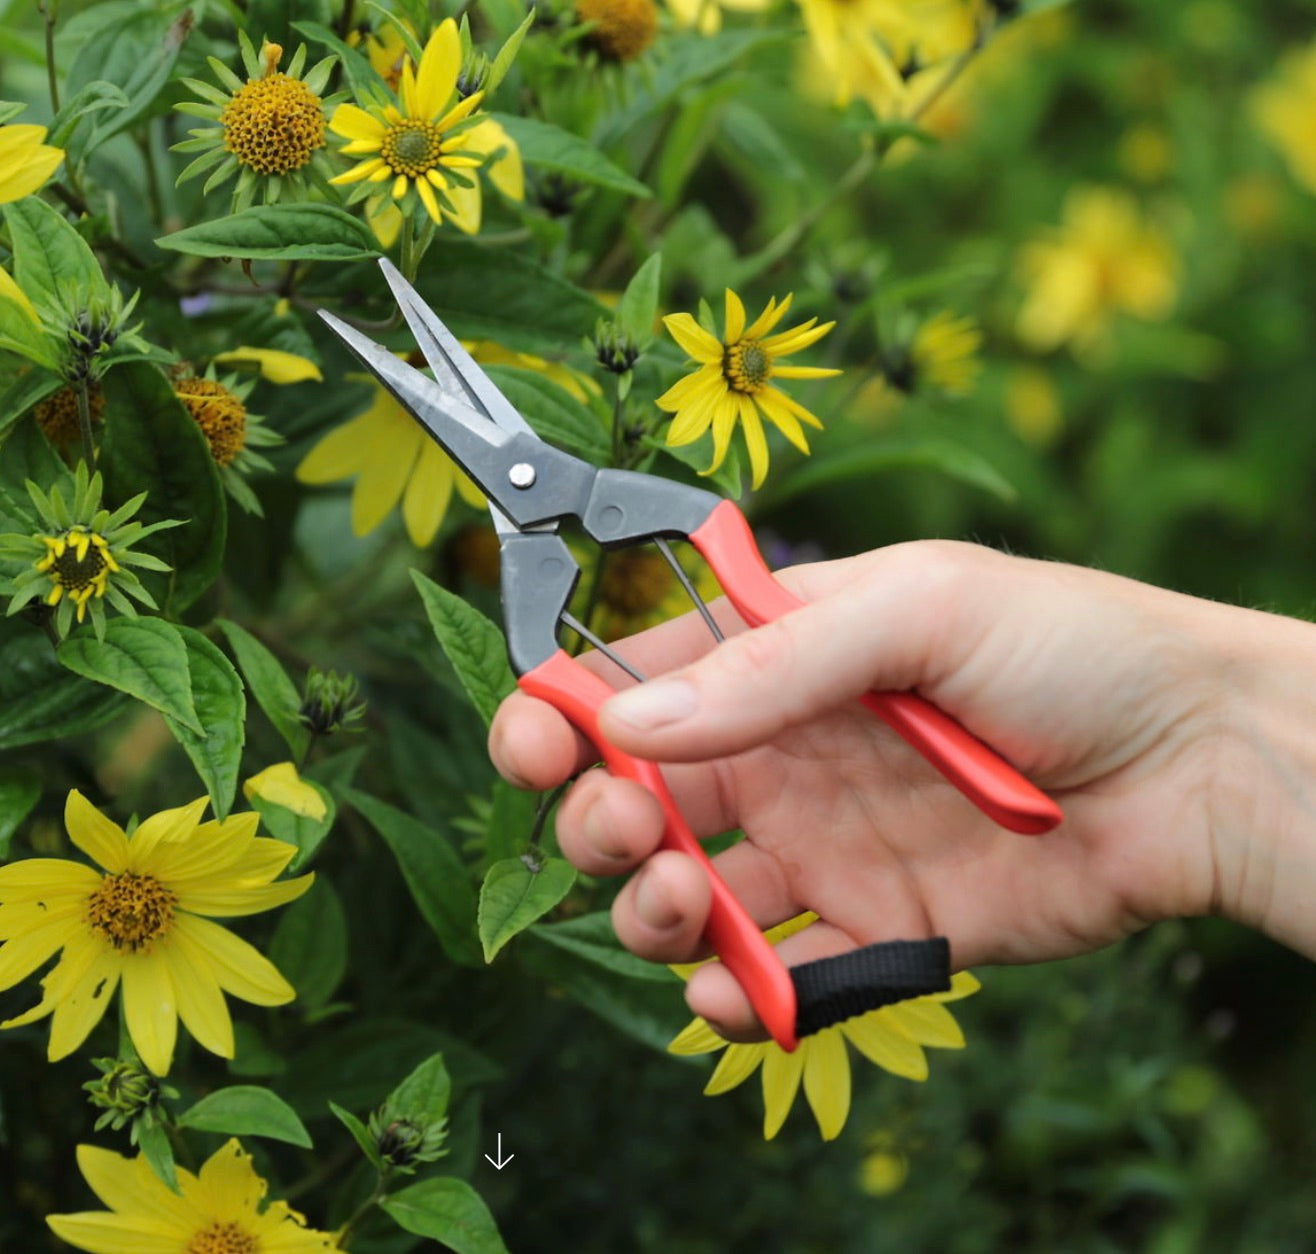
column 879, row 629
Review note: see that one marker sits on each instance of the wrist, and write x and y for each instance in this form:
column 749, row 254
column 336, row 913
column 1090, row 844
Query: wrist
column 1262, row 808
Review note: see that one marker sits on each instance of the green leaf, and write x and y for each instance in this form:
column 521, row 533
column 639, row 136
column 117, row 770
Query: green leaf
column 275, row 693
column 638, row 307
column 360, row 1134
column 551, row 148
column 507, row 54
column 864, row 461
column 221, row 707
column 52, row 264
column 302, row 830
column 472, row 643
column 310, row 945
column 293, row 232
column 149, row 1135
column 40, row 701
column 27, row 454
column 593, row 938
column 152, row 444
column 725, row 479
column 90, row 99
column 30, row 388
column 144, row 657
column 499, row 294
column 440, row 885
column 516, row 892
column 360, row 74
column 446, row 1210
column 20, row 790
column 247, row 1110
column 19, row 334
column 554, row 413
column 423, row 1095
column 510, row 821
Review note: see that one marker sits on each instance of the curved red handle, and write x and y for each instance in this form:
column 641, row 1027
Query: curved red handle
column 578, row 693
column 726, row 543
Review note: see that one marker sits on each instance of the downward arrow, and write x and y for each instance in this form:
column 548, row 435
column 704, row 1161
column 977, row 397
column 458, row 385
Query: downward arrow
column 500, row 1162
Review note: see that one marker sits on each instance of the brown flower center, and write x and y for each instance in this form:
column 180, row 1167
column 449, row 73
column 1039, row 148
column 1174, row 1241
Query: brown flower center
column 220, row 414
column 230, row 1238
column 412, row 147
column 273, row 124
column 132, row 912
column 746, row 366
column 622, row 28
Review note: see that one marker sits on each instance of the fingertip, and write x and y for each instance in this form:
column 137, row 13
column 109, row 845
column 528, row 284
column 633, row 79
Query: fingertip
column 533, row 746
column 661, row 913
column 607, row 826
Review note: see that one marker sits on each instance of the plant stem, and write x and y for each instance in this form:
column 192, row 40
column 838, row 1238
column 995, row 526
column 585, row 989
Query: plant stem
column 361, row 1211
column 84, row 425
column 547, row 801
column 48, row 13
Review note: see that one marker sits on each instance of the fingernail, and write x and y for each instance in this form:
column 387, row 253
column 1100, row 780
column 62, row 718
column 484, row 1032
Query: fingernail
column 653, row 905
column 656, row 704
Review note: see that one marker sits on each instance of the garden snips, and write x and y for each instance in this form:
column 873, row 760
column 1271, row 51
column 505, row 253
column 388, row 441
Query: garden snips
column 531, row 488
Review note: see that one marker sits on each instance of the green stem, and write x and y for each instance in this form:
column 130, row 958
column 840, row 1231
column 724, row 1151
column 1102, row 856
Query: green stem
column 84, row 425
column 546, row 803
column 48, row 14
column 361, row 1211
column 409, row 261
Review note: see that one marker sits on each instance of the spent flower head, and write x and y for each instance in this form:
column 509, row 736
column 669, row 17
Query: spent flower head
column 81, row 554
column 619, row 30
column 269, row 130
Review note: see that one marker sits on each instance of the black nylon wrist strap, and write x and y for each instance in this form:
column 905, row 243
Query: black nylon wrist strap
column 834, row 989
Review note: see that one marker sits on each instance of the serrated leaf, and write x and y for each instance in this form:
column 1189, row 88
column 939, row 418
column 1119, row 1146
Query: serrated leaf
column 52, row 264
column 638, row 307
column 92, row 98
column 551, row 148
column 555, row 414
column 309, row 946
column 472, row 643
column 515, row 893
column 274, row 691
column 20, row 790
column 449, row 1211
column 293, row 232
column 246, row 1110
column 221, row 707
column 144, row 657
column 360, row 1134
column 152, row 444
column 41, row 701
column 440, row 885
column 423, row 1095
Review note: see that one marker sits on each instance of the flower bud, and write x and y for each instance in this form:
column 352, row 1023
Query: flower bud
column 330, row 702
column 125, row 1091
column 614, row 349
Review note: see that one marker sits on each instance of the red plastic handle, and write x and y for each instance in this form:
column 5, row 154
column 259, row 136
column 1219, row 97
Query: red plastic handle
column 726, row 543
column 578, row 693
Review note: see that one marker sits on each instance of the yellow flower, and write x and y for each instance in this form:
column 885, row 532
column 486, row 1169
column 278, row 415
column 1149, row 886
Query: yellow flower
column 220, row 1210
column 893, row 1038
column 282, row 786
column 393, row 460
column 1283, row 109
column 268, row 131
column 140, row 920
column 1032, row 405
column 706, row 15
column 26, row 160
column 622, row 28
column 275, row 366
column 427, row 143
column 732, row 382
column 944, row 353
column 1103, row 260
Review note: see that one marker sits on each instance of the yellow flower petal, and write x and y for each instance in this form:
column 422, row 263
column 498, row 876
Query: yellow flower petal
column 234, row 902
column 781, row 1081
column 827, row 1081
column 274, row 365
column 163, row 828
column 282, row 786
column 428, row 491
column 355, row 123
column 506, row 171
column 9, row 290
column 150, row 1008
column 239, row 968
column 467, row 208
column 735, row 318
column 201, row 1004
column 436, row 78
column 21, row 955
column 100, row 839
column 928, row 1023
column 81, row 1008
column 881, row 1041
column 755, row 441
column 696, row 1038
column 125, row 1184
column 698, row 343
column 735, row 1067
column 102, row 1232
column 771, row 315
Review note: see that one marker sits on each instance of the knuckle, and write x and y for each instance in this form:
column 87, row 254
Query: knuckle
column 758, row 654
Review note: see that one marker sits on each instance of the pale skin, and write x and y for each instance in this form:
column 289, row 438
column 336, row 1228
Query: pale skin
column 1178, row 735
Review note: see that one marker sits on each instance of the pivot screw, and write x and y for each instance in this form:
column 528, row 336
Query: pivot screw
column 522, row 475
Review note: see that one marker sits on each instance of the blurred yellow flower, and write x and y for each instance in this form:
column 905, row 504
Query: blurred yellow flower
column 892, row 1038
column 944, row 353
column 1284, row 110
column 26, row 160
column 139, row 920
column 1145, row 152
column 280, row 785
column 220, row 1210
column 275, row 366
column 1103, row 260
column 428, row 143
column 1032, row 405
column 622, row 29
column 732, row 382
column 706, row 15
column 573, row 382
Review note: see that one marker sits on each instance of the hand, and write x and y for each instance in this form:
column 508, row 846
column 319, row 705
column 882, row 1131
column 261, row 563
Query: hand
column 1121, row 700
